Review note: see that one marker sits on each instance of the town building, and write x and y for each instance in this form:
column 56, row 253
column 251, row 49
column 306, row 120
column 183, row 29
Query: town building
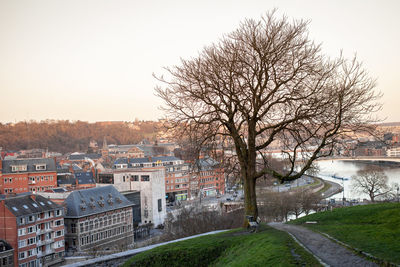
column 6, row 254
column 34, row 227
column 181, row 182
column 177, row 173
column 208, row 178
column 150, row 184
column 393, row 152
column 27, row 175
column 98, row 219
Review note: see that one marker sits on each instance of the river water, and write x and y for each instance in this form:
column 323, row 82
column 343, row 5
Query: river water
column 346, row 169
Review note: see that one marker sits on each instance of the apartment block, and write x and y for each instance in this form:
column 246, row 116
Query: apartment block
column 34, row 227
column 27, row 175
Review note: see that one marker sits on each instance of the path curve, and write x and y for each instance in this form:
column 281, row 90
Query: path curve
column 326, row 250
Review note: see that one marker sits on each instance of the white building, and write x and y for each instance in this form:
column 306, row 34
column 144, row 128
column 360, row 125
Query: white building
column 393, row 152
column 150, row 183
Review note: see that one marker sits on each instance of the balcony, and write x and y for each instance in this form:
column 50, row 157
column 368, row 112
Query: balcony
column 45, row 253
column 45, row 242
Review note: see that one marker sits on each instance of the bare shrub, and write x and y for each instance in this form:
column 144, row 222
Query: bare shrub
column 191, row 221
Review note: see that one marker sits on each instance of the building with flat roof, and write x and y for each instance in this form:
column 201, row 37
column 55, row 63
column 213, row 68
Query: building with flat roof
column 150, row 183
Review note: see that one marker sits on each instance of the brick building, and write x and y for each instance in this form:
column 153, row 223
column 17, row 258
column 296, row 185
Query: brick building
column 208, row 178
column 98, row 219
column 27, row 175
column 34, row 227
column 181, row 181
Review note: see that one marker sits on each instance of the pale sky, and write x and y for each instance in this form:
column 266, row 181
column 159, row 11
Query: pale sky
column 93, row 60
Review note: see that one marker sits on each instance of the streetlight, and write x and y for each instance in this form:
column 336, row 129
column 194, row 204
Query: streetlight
column 397, row 194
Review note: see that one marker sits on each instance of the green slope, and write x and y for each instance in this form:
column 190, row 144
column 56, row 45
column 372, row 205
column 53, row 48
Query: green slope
column 374, row 228
column 268, row 247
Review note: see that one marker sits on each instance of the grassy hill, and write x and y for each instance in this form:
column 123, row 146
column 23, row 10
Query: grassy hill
column 374, row 229
column 268, row 247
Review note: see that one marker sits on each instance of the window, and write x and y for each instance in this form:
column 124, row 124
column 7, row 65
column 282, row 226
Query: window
column 145, row 178
column 31, row 252
column 81, row 227
column 21, row 220
column 41, row 167
column 73, row 228
column 22, row 243
column 18, row 168
column 58, row 213
column 59, row 233
column 135, row 178
column 31, row 218
column 22, row 255
column 159, row 205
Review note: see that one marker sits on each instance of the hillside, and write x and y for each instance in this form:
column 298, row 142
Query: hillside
column 67, row 136
column 268, row 247
column 374, row 229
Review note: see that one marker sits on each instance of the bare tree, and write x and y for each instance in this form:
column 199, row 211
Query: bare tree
column 372, row 181
column 266, row 81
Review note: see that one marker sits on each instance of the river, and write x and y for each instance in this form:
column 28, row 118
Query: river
column 343, row 168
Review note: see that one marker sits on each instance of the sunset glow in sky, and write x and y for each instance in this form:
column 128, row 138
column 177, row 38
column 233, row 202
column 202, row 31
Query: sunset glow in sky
column 93, row 60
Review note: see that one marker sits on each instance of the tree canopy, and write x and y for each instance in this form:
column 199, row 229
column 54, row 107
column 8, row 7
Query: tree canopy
column 371, row 181
column 267, row 83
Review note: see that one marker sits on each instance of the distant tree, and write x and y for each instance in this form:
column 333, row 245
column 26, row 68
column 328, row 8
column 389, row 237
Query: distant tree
column 371, row 181
column 263, row 82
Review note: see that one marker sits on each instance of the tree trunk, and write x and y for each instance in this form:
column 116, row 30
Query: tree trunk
column 250, row 200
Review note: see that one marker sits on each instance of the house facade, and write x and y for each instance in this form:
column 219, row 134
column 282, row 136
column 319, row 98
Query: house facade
column 150, row 184
column 34, row 227
column 177, row 173
column 98, row 219
column 27, row 175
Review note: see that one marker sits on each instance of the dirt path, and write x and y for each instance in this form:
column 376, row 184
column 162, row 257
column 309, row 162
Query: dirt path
column 329, row 252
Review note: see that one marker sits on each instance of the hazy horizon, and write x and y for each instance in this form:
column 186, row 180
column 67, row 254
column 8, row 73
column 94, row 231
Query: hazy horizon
column 93, row 60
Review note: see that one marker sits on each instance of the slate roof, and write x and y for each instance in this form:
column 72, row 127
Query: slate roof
column 50, row 164
column 84, row 177
column 206, row 163
column 28, row 204
column 66, row 179
column 96, row 200
column 83, row 156
column 146, row 160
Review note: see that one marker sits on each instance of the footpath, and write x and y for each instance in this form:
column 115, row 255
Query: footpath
column 327, row 252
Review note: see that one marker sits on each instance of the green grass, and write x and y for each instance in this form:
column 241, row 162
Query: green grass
column 268, row 247
column 374, row 229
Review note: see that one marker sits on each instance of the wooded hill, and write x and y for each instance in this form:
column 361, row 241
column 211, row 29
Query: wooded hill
column 67, row 136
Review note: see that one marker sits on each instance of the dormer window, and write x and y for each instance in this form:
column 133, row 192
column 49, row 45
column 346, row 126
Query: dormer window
column 40, row 167
column 18, row 168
